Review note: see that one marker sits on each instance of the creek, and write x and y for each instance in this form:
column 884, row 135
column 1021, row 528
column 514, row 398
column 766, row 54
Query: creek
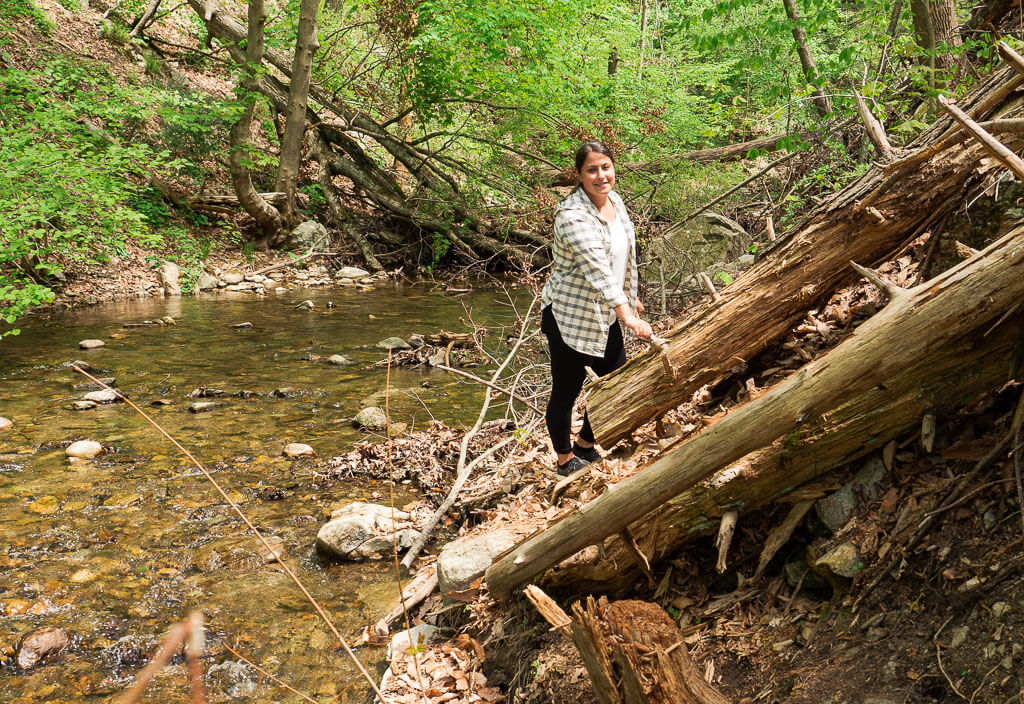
column 117, row 549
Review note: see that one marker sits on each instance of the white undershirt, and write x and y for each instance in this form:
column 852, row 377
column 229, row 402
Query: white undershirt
column 619, row 254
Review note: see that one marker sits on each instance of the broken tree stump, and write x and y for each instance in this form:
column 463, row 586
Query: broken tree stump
column 864, row 222
column 635, row 654
column 917, row 324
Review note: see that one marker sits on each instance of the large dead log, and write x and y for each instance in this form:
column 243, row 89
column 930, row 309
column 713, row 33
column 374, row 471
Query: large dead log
column 863, row 222
column 917, row 324
column 940, row 383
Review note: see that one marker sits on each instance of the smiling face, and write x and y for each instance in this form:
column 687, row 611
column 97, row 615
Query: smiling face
column 597, row 176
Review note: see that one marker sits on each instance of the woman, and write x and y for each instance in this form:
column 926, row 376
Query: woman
column 592, row 289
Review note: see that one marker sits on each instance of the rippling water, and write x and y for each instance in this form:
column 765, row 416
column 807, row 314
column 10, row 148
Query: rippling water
column 117, row 549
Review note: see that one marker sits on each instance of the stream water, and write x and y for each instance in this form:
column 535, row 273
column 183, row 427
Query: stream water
column 117, row 549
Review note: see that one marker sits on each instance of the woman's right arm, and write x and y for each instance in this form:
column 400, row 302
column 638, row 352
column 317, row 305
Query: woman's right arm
column 639, row 327
column 583, row 237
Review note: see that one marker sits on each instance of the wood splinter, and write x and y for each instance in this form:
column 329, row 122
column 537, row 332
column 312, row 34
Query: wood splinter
column 892, row 290
column 725, row 532
column 992, row 145
column 928, row 423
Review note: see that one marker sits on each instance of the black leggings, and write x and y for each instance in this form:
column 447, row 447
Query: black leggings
column 568, row 375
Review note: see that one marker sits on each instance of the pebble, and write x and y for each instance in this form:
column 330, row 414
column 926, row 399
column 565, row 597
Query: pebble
column 6, row 423
column 91, row 344
column 298, row 449
column 203, row 406
column 39, row 645
column 1000, row 609
column 101, row 396
column 82, row 576
column 84, row 449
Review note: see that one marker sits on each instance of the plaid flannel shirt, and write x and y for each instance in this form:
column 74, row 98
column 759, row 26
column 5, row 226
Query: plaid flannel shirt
column 582, row 290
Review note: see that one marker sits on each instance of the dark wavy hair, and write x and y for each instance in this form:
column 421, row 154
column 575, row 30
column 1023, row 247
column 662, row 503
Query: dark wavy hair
column 590, row 148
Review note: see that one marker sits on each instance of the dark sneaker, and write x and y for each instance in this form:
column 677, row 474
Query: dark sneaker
column 590, row 454
column 574, row 465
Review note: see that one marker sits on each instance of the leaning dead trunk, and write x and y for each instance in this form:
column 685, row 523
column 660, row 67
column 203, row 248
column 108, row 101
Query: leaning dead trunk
column 939, row 383
column 918, row 323
column 864, row 222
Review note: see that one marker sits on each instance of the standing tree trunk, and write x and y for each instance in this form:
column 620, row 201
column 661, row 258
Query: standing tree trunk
column 935, row 28
column 306, row 45
column 263, row 212
column 810, row 69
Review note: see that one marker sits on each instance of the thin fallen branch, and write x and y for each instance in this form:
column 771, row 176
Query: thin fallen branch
column 463, row 470
column 269, row 676
column 245, row 519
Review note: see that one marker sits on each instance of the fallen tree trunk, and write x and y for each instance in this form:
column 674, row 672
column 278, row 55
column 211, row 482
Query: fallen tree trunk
column 939, row 383
column 917, row 324
column 864, row 222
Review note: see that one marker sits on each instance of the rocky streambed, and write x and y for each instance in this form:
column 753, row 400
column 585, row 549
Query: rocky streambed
column 105, row 551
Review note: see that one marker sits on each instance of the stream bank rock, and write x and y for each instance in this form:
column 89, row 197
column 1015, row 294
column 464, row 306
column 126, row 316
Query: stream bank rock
column 351, row 272
column 232, row 277
column 169, row 278
column 362, row 531
column 308, row 234
column 462, row 561
column 206, row 281
column 40, row 645
column 83, row 449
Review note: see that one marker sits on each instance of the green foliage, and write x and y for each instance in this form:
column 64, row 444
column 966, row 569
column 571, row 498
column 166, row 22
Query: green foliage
column 14, row 9
column 71, row 5
column 114, row 32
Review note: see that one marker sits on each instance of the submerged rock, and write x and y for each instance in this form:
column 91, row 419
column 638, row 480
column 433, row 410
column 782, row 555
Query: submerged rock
column 362, row 531
column 231, row 679
column 242, row 326
column 298, row 449
column 203, row 406
column 91, row 344
column 85, row 366
column 6, row 423
column 83, row 449
column 286, row 392
column 339, row 359
column 305, row 305
column 243, row 552
column 83, row 405
column 372, row 418
column 463, row 560
column 394, row 343
column 41, row 645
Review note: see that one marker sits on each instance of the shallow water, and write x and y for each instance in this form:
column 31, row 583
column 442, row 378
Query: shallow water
column 108, row 548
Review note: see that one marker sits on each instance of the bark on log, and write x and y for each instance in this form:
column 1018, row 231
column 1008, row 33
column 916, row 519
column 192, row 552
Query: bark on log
column 958, row 372
column 802, row 269
column 918, row 323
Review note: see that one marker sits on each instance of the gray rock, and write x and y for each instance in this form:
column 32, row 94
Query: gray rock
column 394, row 343
column 203, row 406
column 242, row 326
column 305, row 305
column 6, row 423
column 206, row 281
column 746, row 260
column 372, row 418
column 960, row 634
column 85, row 366
column 83, row 449
column 308, row 234
column 338, row 359
column 843, row 560
column 298, row 449
column 463, row 560
column 232, row 277
column 82, row 405
column 101, row 396
column 836, row 509
column 351, row 272
column 169, row 276
column 91, row 344
column 286, row 392
column 40, row 645
column 415, row 636
column 362, row 531
column 707, row 239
